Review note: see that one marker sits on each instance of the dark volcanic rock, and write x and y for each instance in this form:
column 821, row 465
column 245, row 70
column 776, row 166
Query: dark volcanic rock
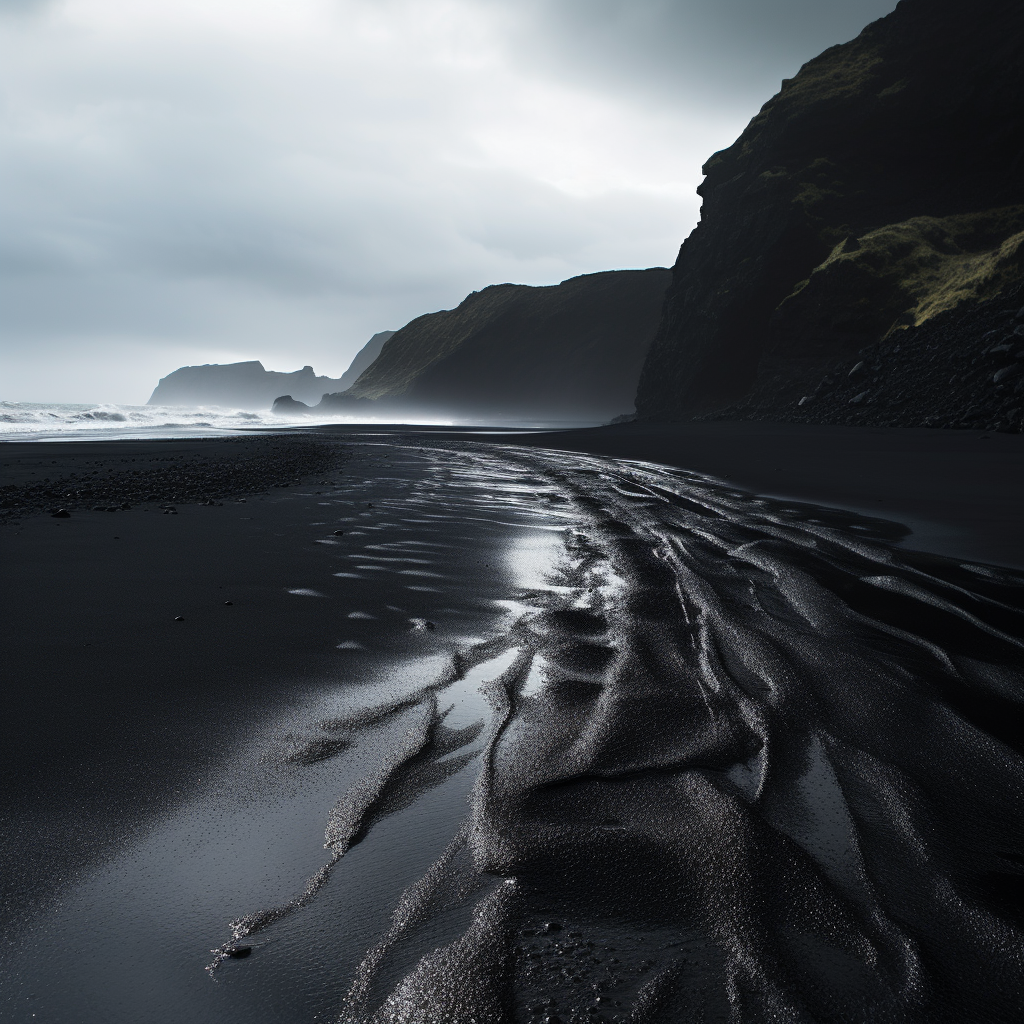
column 963, row 368
column 238, row 385
column 878, row 192
column 249, row 386
column 572, row 350
column 287, row 406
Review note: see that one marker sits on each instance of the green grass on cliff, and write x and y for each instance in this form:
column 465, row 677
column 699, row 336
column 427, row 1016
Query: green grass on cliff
column 912, row 271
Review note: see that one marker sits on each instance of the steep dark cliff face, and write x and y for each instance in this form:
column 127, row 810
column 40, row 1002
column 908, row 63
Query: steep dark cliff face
column 572, row 350
column 363, row 358
column 883, row 187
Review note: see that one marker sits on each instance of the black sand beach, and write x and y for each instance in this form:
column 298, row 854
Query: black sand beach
column 610, row 742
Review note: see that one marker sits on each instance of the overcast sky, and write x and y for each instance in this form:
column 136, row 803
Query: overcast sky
column 193, row 181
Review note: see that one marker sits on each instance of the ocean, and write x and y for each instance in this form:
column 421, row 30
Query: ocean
column 36, row 421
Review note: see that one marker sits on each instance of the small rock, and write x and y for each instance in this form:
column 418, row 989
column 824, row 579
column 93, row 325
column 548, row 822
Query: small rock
column 857, row 399
column 61, row 513
column 339, row 533
column 228, row 602
column 179, row 618
column 551, row 926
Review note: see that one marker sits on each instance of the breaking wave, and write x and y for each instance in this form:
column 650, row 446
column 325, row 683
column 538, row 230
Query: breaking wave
column 29, row 421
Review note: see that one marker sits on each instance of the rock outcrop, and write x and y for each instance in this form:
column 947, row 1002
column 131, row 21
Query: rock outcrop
column 238, row 385
column 876, row 203
column 571, row 351
column 249, row 386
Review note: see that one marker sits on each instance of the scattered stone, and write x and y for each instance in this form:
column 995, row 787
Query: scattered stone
column 238, row 952
column 857, row 399
column 551, row 926
column 221, row 470
column 61, row 513
column 339, row 533
column 179, row 618
column 228, row 602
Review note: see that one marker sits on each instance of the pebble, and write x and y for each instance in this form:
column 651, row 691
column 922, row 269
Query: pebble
column 339, row 533
column 179, row 618
column 228, row 602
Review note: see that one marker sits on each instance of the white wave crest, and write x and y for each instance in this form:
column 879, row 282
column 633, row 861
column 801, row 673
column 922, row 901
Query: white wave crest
column 30, row 421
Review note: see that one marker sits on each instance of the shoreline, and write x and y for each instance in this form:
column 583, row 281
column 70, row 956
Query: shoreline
column 960, row 492
column 198, row 701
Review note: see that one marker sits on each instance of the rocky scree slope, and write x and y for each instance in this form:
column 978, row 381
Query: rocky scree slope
column 879, row 195
column 569, row 350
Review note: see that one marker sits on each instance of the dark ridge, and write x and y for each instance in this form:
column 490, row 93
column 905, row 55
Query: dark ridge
column 572, row 350
column 872, row 213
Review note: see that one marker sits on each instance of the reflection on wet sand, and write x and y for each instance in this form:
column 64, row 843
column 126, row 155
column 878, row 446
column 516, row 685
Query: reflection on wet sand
column 743, row 760
column 595, row 740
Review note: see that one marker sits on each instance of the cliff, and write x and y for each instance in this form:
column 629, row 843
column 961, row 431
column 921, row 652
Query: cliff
column 249, row 386
column 567, row 351
column 363, row 358
column 872, row 213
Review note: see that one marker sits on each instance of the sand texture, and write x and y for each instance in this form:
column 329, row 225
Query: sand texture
column 493, row 731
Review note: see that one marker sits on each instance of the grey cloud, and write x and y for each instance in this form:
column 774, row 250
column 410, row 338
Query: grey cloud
column 211, row 197
column 729, row 51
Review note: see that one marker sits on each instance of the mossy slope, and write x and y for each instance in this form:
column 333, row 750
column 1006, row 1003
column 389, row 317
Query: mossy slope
column 881, row 187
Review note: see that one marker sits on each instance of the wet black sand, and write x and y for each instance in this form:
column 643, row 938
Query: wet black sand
column 962, row 491
column 730, row 759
